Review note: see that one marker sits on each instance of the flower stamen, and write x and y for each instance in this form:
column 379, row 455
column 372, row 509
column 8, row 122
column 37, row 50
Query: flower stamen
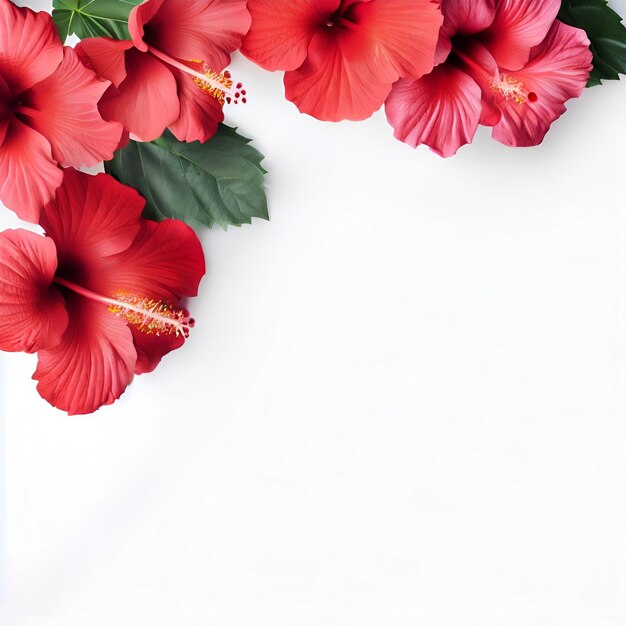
column 513, row 89
column 151, row 317
column 148, row 316
column 218, row 85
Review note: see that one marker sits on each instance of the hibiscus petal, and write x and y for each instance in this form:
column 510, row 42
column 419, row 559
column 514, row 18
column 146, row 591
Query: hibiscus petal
column 209, row 30
column 519, row 25
column 138, row 18
column 105, row 57
column 468, row 17
column 200, row 113
column 146, row 102
column 28, row 174
column 397, row 38
column 6, row 114
column 32, row 310
column 64, row 109
column 282, row 30
column 30, row 48
column 330, row 87
column 93, row 364
column 91, row 217
column 441, row 110
column 164, row 262
column 152, row 348
column 557, row 71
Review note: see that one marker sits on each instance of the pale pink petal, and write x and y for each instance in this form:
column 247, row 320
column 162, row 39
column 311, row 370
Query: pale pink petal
column 32, row 310
column 30, row 48
column 519, row 25
column 146, row 102
column 28, row 173
column 441, row 110
column 200, row 113
column 282, row 30
column 467, row 17
column 64, row 109
column 202, row 30
column 93, row 364
column 557, row 71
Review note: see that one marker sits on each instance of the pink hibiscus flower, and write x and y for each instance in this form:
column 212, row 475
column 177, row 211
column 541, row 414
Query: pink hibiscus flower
column 48, row 111
column 508, row 64
column 170, row 74
column 99, row 296
column 342, row 56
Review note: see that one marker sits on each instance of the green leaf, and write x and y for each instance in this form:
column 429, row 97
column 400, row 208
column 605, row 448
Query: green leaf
column 216, row 182
column 607, row 34
column 93, row 18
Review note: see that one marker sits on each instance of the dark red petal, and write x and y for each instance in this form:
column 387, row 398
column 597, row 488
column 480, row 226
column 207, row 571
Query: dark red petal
column 90, row 218
column 282, row 30
column 93, row 364
column 198, row 31
column 64, row 109
column 32, row 310
column 28, row 173
column 200, row 113
column 152, row 348
column 30, row 48
column 164, row 262
column 518, row 26
column 557, row 71
column 441, row 110
column 146, row 102
column 6, row 114
column 105, row 57
column 138, row 18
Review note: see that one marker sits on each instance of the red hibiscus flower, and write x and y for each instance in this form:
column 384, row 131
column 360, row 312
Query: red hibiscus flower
column 508, row 64
column 342, row 56
column 48, row 111
column 99, row 296
column 169, row 75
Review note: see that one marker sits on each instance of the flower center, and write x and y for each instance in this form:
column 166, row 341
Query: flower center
column 344, row 16
column 148, row 316
column 218, row 85
column 508, row 87
column 513, row 89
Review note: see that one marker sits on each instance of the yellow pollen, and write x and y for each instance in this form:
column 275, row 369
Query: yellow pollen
column 219, row 85
column 151, row 317
column 513, row 89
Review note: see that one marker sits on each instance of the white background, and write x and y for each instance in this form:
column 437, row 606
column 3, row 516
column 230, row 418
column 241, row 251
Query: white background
column 403, row 403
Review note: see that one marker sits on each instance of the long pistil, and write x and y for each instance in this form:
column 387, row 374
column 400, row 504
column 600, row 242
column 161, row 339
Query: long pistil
column 151, row 317
column 219, row 85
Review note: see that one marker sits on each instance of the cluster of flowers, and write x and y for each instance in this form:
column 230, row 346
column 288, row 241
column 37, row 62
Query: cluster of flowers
column 98, row 297
column 441, row 68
